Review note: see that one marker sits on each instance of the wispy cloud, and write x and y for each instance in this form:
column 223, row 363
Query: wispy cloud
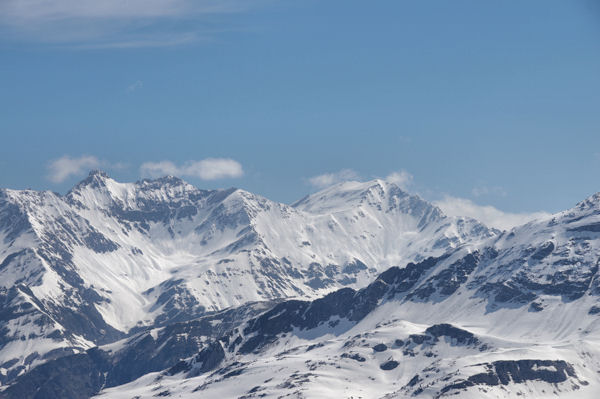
column 489, row 215
column 328, row 179
column 62, row 168
column 142, row 41
column 113, row 23
column 138, row 84
column 402, row 178
column 206, row 169
column 487, row 190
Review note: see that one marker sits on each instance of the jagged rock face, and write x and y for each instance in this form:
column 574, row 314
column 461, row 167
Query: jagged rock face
column 83, row 374
column 556, row 257
column 108, row 258
column 77, row 377
column 504, row 372
column 315, row 349
column 360, row 332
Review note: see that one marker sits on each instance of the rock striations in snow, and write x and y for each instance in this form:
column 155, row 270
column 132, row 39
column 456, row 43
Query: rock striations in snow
column 158, row 289
column 108, row 258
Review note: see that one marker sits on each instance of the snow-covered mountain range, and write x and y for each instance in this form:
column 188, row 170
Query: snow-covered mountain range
column 360, row 290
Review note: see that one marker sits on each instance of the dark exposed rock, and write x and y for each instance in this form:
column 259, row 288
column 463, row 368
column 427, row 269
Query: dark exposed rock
column 592, row 228
column 458, row 335
column 503, row 372
column 419, row 338
column 389, row 365
column 506, row 292
column 449, row 280
column 594, row 310
column 536, row 307
column 380, row 348
column 315, row 346
column 414, row 381
column 13, row 220
column 144, row 354
column 177, row 301
column 20, row 303
column 543, row 251
column 99, row 243
column 566, row 284
column 208, row 359
column 9, row 258
column 353, row 356
column 354, row 267
column 401, row 280
column 74, row 377
column 345, row 303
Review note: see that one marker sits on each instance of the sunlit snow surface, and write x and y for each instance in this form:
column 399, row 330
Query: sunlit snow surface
column 320, row 366
column 163, row 249
column 147, row 254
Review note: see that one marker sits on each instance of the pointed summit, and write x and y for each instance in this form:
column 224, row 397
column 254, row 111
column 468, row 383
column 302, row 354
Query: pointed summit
column 98, row 172
column 95, row 179
column 168, row 180
column 349, row 194
column 97, row 188
column 591, row 202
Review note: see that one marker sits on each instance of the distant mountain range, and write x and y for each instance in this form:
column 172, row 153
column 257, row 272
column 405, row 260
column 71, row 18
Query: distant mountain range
column 359, row 290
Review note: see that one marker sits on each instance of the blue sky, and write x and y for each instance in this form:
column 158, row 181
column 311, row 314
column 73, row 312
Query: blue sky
column 496, row 103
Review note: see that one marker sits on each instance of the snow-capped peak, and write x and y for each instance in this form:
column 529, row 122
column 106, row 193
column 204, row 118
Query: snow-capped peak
column 592, row 202
column 109, row 259
column 95, row 179
column 126, row 255
column 349, row 194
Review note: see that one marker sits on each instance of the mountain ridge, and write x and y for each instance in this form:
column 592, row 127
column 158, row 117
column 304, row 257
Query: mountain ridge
column 108, row 258
column 360, row 289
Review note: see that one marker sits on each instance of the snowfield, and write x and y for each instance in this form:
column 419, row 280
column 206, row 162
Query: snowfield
column 160, row 289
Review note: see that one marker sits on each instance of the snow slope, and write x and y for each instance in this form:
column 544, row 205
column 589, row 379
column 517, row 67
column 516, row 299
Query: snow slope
column 400, row 348
column 110, row 258
column 515, row 316
column 471, row 311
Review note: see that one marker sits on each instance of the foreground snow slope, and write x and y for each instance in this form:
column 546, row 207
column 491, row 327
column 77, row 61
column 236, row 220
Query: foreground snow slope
column 385, row 342
column 111, row 258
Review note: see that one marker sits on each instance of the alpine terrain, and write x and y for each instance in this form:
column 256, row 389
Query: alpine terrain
column 362, row 290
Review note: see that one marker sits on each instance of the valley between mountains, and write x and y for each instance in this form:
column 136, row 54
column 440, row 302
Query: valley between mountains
column 160, row 289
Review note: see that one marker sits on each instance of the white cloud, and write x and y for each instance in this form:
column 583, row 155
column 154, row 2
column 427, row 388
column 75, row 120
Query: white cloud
column 113, row 23
column 206, row 169
column 138, row 84
column 401, row 178
column 214, row 168
column 62, row 168
column 328, row 179
column 67, row 9
column 157, row 169
column 488, row 215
